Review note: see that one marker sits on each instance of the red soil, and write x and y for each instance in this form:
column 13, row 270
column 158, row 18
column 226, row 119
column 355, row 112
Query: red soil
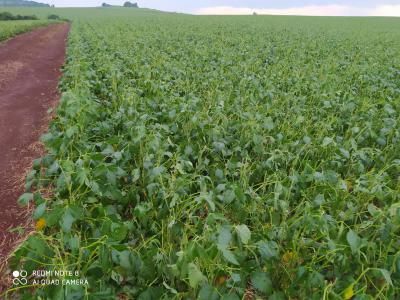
column 29, row 72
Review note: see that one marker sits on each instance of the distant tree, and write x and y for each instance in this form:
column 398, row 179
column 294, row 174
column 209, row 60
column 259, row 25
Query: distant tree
column 130, row 4
column 105, row 5
column 11, row 3
column 53, row 17
column 6, row 16
column 254, row 14
column 29, row 17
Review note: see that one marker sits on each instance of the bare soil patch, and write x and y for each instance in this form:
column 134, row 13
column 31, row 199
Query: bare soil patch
column 30, row 68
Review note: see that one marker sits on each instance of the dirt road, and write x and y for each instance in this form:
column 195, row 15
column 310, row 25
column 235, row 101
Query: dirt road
column 29, row 72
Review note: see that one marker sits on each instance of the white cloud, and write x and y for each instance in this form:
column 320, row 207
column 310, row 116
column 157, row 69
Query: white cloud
column 311, row 10
column 387, row 10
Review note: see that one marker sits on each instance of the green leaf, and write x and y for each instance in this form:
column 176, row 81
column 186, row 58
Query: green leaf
column 327, row 141
column 82, row 176
column 122, row 258
column 38, row 245
column 262, row 282
column 208, row 198
column 224, row 237
column 135, row 175
column 39, row 211
column 257, row 139
column 219, row 173
column 118, row 278
column 71, row 131
column 277, row 296
column 269, row 123
column 24, row 199
column 268, row 249
column 208, row 292
column 394, row 209
column 231, row 296
column 67, row 220
column 244, row 233
column 210, row 202
column 151, row 293
column 228, row 196
column 195, row 275
column 119, row 232
column 319, row 200
column 354, row 241
column 74, row 242
column 54, row 215
column 229, row 256
column 172, row 290
column 386, row 275
column 95, row 187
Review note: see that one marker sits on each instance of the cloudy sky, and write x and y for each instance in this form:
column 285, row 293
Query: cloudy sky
column 280, row 7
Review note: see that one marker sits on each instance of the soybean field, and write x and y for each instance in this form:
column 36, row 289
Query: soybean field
column 220, row 157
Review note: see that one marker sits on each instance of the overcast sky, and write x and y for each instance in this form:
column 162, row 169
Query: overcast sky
column 296, row 7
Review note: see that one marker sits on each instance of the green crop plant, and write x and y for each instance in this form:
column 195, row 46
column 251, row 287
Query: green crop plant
column 221, row 158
